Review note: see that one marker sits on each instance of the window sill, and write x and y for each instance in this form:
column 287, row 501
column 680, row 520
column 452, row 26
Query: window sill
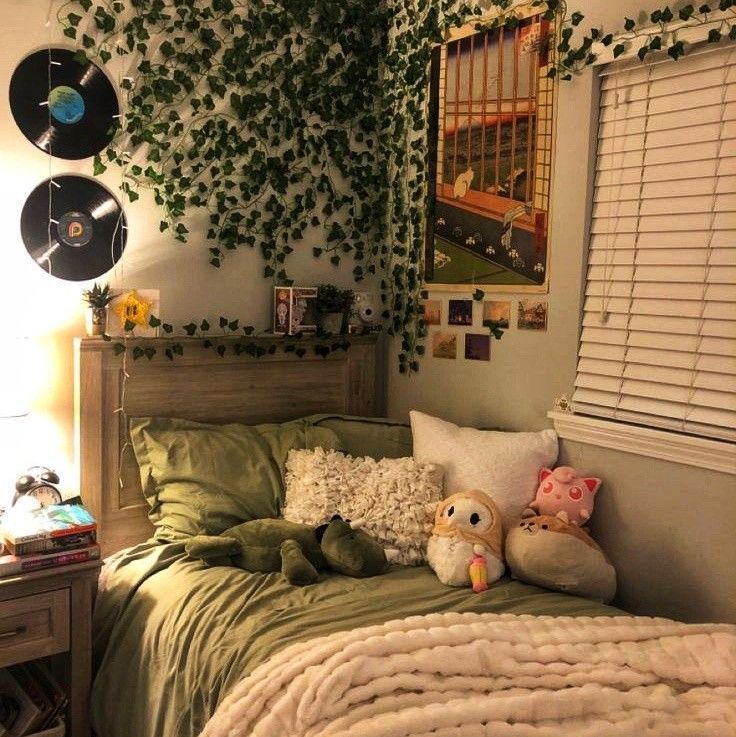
column 715, row 455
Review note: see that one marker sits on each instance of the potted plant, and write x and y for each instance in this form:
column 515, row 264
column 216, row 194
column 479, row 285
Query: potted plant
column 333, row 307
column 98, row 298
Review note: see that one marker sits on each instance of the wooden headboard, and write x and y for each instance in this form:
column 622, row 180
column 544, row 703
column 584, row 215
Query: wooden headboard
column 202, row 386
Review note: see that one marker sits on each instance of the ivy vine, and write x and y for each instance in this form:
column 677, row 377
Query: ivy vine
column 661, row 31
column 234, row 338
column 282, row 119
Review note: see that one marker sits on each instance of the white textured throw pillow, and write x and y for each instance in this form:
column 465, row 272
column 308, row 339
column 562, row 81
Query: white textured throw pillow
column 503, row 464
column 394, row 498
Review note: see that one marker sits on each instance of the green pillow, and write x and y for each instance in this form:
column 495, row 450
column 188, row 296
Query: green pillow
column 203, row 479
column 375, row 437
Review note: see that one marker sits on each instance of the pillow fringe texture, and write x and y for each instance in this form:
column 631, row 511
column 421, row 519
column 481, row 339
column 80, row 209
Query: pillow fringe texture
column 393, row 498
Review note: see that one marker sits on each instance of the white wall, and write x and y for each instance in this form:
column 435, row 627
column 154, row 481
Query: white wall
column 50, row 310
column 667, row 527
column 528, row 369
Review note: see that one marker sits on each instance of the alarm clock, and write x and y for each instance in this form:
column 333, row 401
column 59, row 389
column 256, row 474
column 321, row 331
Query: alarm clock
column 39, row 486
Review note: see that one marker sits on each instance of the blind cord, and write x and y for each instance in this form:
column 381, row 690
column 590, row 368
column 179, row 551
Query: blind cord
column 635, row 259
column 610, row 253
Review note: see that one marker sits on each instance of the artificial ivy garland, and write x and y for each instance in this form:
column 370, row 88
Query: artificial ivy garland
column 240, row 340
column 280, row 117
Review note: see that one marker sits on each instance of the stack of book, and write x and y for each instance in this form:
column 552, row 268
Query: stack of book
column 31, row 700
column 55, row 535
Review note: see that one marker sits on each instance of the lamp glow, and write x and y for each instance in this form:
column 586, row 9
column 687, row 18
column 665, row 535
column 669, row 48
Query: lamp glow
column 14, row 385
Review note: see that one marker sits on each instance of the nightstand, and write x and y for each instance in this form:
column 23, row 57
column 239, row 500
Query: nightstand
column 48, row 614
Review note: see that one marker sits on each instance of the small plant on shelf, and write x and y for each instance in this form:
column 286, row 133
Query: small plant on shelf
column 333, row 307
column 98, row 298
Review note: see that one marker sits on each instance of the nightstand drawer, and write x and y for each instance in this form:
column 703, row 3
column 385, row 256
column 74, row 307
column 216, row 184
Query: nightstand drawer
column 34, row 626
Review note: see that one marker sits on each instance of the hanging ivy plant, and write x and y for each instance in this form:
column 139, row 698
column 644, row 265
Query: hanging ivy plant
column 232, row 337
column 660, row 32
column 261, row 114
column 276, row 118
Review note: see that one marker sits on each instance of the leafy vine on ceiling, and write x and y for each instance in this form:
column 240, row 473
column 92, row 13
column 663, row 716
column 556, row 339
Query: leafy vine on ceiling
column 290, row 121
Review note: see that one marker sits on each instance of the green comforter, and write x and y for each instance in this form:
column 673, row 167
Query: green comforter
column 171, row 637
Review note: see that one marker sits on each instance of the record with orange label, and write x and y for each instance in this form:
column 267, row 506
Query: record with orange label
column 73, row 228
column 66, row 108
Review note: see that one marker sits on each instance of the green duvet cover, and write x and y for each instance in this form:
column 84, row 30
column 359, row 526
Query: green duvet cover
column 172, row 637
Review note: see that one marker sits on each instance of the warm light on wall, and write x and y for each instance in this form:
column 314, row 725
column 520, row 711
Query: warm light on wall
column 14, row 386
column 14, row 406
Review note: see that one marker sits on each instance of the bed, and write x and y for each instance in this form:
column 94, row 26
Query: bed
column 182, row 649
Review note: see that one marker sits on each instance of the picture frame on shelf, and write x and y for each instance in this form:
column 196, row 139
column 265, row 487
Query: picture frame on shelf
column 294, row 310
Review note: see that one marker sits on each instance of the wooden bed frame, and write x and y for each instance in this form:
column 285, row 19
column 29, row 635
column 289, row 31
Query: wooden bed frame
column 202, row 386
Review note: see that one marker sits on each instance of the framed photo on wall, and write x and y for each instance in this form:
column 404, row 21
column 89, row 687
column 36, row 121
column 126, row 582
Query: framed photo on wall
column 490, row 159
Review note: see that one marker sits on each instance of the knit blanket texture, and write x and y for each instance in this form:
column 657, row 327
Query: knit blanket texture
column 499, row 675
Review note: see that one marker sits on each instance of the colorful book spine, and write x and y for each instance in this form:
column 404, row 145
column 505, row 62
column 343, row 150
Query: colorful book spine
column 13, row 564
column 51, row 534
column 55, row 520
column 53, row 544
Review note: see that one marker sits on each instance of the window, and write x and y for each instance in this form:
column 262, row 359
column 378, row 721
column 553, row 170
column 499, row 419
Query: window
column 658, row 341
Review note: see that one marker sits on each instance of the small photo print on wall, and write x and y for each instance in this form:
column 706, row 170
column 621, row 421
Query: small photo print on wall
column 460, row 312
column 477, row 347
column 498, row 313
column 432, row 312
column 532, row 314
column 444, row 345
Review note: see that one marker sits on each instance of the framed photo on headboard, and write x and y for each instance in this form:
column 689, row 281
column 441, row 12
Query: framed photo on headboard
column 491, row 156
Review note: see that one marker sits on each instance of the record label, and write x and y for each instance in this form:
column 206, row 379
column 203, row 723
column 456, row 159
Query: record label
column 75, row 229
column 66, row 105
column 66, row 108
column 86, row 234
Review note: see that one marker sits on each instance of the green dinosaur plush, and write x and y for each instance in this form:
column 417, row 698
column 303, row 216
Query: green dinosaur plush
column 352, row 552
column 298, row 551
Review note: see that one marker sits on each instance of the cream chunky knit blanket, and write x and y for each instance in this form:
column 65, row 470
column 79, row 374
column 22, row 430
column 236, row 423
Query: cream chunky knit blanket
column 468, row 675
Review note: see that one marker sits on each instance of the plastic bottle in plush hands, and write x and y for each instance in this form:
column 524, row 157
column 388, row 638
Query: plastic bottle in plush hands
column 564, row 490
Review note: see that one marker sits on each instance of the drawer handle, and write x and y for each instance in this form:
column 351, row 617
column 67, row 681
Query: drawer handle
column 19, row 630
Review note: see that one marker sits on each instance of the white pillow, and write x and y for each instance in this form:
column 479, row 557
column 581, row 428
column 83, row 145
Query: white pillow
column 394, row 498
column 503, row 464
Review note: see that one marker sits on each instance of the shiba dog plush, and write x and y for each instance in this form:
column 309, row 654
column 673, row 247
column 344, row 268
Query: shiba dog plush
column 552, row 552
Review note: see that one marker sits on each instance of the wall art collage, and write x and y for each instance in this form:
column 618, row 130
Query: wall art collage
column 531, row 315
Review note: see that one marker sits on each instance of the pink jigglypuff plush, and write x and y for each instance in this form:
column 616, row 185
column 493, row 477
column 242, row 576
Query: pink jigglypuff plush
column 564, row 490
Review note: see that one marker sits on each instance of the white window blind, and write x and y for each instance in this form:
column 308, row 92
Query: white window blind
column 658, row 341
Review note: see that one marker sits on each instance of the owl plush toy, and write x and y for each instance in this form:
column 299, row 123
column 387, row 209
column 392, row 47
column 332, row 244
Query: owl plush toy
column 467, row 526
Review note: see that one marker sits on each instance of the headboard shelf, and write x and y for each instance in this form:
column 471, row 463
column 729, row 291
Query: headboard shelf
column 201, row 385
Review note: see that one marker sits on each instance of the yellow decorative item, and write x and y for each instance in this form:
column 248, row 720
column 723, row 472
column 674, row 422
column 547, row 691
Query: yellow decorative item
column 478, row 572
column 133, row 311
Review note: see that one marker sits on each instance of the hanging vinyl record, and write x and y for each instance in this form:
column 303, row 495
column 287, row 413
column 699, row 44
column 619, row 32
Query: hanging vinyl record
column 84, row 235
column 65, row 108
